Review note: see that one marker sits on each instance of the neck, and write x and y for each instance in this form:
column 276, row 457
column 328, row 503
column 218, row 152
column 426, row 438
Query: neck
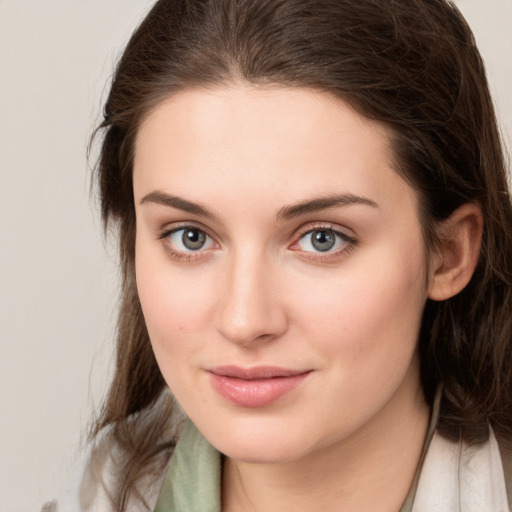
column 372, row 470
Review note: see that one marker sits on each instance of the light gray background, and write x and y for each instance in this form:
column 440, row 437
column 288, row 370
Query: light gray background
column 57, row 280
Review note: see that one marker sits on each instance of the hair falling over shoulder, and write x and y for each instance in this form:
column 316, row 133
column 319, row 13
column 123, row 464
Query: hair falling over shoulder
column 411, row 64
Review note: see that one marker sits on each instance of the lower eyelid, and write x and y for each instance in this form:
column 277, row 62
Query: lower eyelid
column 348, row 244
column 189, row 255
column 183, row 256
column 327, row 257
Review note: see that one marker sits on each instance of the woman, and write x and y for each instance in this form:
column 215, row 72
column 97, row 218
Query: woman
column 316, row 242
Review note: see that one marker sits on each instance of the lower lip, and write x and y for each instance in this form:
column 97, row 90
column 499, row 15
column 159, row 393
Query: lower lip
column 256, row 392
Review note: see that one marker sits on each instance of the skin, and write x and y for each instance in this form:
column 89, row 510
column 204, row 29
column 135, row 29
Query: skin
column 349, row 437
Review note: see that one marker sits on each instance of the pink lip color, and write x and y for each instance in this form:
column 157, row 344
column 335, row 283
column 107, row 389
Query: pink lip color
column 254, row 387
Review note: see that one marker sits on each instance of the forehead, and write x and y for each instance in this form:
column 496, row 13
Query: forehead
column 279, row 141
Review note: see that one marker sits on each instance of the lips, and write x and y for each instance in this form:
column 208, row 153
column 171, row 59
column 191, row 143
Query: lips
column 255, row 387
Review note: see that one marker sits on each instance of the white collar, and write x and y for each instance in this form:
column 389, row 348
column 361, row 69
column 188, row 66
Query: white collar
column 457, row 477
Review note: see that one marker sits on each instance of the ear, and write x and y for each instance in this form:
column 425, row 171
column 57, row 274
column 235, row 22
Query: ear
column 455, row 259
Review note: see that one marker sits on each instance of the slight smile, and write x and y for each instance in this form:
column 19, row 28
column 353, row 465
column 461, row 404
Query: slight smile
column 257, row 386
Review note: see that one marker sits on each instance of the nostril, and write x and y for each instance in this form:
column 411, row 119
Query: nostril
column 249, row 309
column 251, row 325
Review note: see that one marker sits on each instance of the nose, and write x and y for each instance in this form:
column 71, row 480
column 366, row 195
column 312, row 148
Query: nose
column 250, row 307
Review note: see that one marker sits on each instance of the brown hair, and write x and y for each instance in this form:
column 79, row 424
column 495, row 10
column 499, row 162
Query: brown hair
column 411, row 64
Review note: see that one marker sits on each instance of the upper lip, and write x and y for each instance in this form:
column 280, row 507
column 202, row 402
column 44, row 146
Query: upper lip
column 255, row 372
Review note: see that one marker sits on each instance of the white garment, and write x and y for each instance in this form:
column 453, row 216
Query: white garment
column 456, row 477
column 90, row 486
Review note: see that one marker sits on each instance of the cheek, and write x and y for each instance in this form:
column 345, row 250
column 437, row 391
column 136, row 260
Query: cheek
column 174, row 304
column 371, row 308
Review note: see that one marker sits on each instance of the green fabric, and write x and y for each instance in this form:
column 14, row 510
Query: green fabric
column 193, row 479
column 192, row 482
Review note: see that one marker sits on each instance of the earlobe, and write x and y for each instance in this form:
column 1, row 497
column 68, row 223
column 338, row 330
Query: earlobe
column 456, row 257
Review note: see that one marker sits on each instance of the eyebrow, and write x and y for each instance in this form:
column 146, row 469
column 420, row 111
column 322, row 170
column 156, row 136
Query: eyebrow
column 287, row 212
column 177, row 202
column 322, row 203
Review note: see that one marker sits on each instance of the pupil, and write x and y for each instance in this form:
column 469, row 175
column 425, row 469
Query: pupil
column 193, row 239
column 323, row 240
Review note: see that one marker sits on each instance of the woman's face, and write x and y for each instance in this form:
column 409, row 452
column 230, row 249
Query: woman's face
column 281, row 268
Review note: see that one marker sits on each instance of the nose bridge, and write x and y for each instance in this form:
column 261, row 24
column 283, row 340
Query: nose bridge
column 250, row 308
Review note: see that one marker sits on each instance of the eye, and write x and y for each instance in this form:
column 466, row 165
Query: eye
column 323, row 241
column 189, row 239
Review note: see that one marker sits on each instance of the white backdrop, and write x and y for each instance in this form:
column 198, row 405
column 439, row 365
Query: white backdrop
column 57, row 281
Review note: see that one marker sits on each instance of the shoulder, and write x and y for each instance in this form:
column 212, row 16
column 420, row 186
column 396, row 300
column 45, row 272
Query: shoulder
column 505, row 447
column 104, row 464
column 96, row 477
column 457, row 475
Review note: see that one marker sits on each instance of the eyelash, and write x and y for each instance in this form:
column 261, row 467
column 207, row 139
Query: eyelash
column 349, row 243
column 183, row 256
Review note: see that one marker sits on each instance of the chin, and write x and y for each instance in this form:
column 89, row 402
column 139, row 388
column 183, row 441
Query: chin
column 262, row 453
column 263, row 443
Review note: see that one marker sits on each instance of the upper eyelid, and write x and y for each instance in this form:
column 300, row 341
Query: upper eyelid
column 351, row 241
column 184, row 255
column 318, row 226
column 299, row 232
column 176, row 226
